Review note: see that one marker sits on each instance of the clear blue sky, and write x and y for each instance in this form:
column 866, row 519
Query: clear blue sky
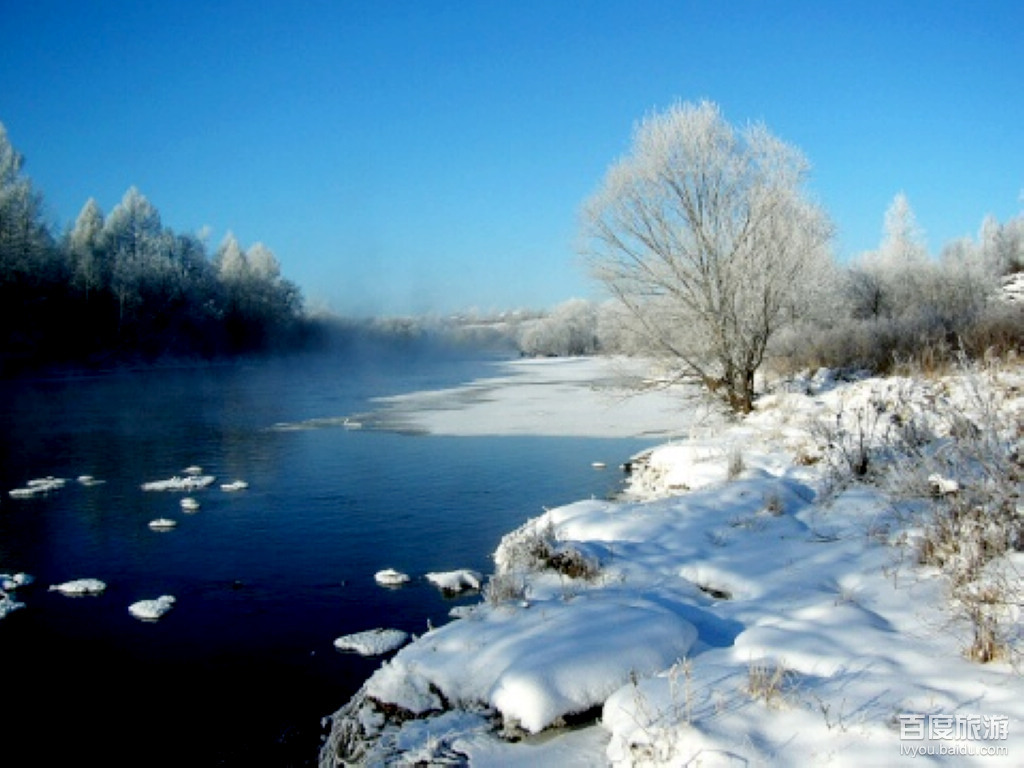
column 419, row 156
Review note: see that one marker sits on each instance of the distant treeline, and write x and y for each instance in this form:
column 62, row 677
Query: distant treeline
column 122, row 286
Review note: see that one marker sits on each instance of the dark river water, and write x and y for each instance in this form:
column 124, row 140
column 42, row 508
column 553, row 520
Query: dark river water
column 243, row 669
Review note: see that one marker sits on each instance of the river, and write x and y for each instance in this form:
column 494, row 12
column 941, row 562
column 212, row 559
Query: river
column 243, row 669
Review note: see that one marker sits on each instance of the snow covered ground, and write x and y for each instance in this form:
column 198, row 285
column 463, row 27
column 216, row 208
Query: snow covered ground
column 753, row 599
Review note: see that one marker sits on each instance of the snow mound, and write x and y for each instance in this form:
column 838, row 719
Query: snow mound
column 535, row 665
column 456, row 581
column 373, row 642
column 151, row 610
column 79, row 587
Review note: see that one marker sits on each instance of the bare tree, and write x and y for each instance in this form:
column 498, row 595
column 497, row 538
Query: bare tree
column 705, row 235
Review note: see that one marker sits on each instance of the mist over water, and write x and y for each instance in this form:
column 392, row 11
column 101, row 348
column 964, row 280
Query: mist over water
column 242, row 669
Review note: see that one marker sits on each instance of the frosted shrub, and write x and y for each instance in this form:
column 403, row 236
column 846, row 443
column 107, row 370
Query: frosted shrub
column 973, row 474
column 505, row 588
column 768, row 682
column 535, row 548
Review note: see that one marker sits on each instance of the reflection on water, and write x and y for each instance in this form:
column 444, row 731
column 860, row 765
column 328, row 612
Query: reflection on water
column 241, row 671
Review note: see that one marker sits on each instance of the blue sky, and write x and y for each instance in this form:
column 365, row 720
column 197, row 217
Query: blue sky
column 428, row 156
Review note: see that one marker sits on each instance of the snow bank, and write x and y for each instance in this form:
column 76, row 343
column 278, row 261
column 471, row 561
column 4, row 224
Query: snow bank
column 738, row 605
column 538, row 664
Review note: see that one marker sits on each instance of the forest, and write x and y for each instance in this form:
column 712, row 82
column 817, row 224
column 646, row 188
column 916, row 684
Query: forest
column 122, row 287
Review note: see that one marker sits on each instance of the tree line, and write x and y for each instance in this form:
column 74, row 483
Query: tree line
column 122, row 286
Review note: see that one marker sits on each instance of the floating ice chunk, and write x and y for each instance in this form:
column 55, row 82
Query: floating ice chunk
column 38, row 487
column 8, row 604
column 193, row 470
column 389, row 577
column 189, row 504
column 190, row 483
column 11, row 582
column 237, row 485
column 151, row 610
column 80, row 587
column 162, row 524
column 373, row 642
column 88, row 480
column 456, row 581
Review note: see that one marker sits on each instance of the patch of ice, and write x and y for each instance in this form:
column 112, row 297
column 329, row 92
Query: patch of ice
column 237, row 485
column 162, row 524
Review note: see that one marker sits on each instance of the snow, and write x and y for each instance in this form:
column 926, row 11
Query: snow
column 9, row 583
column 456, row 581
column 389, row 577
column 80, row 587
column 176, row 483
column 151, row 610
column 38, row 487
column 738, row 604
column 372, row 642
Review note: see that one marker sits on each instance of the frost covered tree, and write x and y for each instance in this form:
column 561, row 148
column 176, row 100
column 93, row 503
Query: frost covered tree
column 25, row 243
column 569, row 330
column 85, row 250
column 890, row 281
column 705, row 234
column 257, row 299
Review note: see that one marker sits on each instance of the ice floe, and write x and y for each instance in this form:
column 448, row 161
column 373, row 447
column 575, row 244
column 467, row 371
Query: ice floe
column 78, row 587
column 389, row 577
column 151, row 610
column 10, row 582
column 373, row 642
column 38, row 487
column 177, row 483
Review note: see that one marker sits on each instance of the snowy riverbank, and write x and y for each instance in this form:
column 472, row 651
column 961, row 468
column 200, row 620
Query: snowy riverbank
column 749, row 601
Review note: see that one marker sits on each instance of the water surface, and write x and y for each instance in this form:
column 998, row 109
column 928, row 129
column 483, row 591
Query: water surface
column 242, row 670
